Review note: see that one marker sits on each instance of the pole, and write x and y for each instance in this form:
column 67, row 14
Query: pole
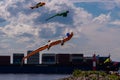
column 94, row 62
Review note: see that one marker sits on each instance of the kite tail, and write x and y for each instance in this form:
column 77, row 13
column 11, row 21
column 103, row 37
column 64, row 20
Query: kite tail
column 51, row 17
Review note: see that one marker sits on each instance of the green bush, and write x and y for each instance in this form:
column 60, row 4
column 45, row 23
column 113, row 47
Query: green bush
column 94, row 75
column 113, row 77
column 102, row 73
column 77, row 73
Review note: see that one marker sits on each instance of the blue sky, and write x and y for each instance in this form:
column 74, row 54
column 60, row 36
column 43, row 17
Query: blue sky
column 92, row 7
column 95, row 24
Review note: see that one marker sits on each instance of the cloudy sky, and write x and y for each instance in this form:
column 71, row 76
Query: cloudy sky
column 95, row 23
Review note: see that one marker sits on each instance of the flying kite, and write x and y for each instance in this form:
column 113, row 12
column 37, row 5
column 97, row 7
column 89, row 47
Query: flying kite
column 49, row 45
column 40, row 4
column 64, row 14
column 60, row 41
column 107, row 60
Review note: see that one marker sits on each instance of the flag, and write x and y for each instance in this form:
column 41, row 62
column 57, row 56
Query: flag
column 107, row 60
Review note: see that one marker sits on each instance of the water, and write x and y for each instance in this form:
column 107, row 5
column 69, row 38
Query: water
column 31, row 76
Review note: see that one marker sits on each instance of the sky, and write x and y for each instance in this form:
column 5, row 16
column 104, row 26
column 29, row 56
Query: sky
column 95, row 24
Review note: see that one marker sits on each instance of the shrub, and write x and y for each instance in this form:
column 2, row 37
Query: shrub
column 113, row 77
column 76, row 73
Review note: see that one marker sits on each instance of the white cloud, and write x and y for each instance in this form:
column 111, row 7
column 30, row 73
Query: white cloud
column 102, row 18
column 27, row 29
column 26, row 24
column 116, row 22
column 104, row 4
column 110, row 5
column 21, row 22
column 15, row 30
column 91, row 1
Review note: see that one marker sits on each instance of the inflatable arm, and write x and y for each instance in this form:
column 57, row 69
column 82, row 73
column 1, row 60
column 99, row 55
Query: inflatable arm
column 68, row 38
column 53, row 43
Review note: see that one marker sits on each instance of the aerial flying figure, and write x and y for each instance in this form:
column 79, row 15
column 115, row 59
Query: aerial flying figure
column 64, row 14
column 49, row 45
column 108, row 60
column 40, row 4
column 60, row 41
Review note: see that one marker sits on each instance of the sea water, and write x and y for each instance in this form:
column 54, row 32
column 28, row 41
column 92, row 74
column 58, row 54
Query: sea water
column 31, row 76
